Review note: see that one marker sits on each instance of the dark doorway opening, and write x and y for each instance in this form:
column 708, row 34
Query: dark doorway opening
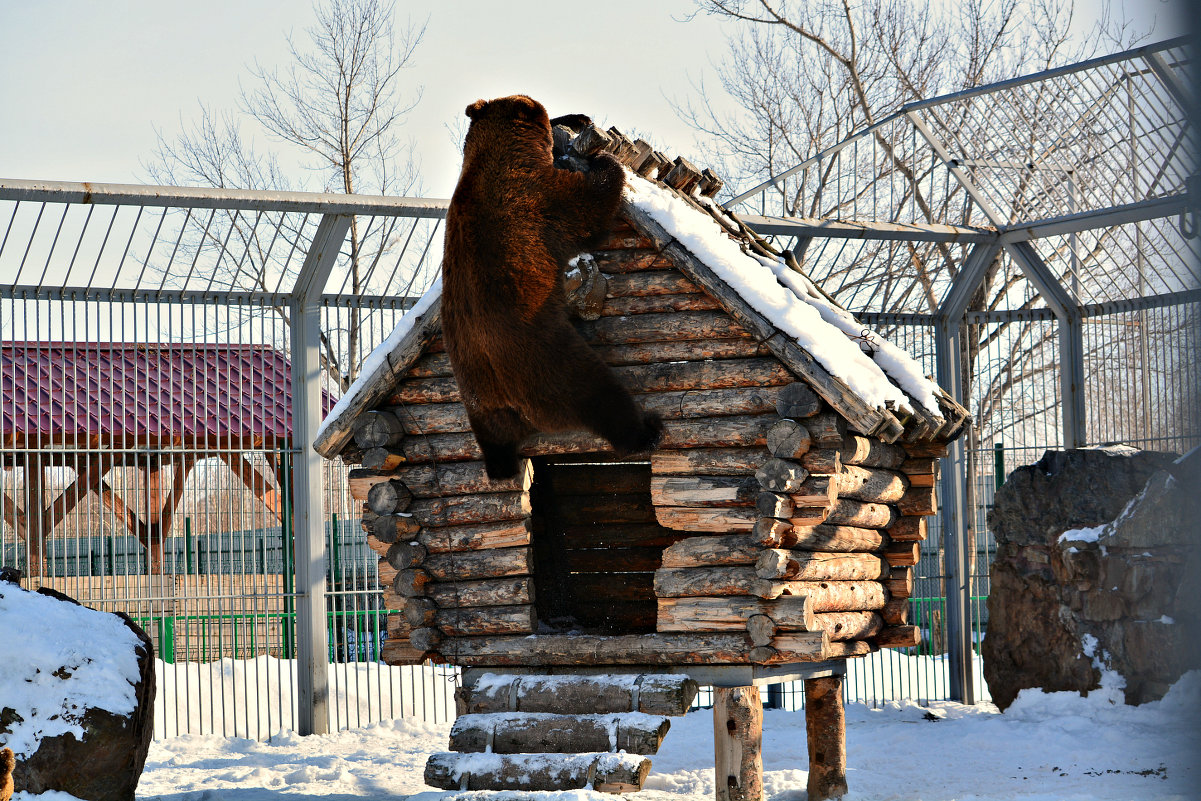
column 596, row 545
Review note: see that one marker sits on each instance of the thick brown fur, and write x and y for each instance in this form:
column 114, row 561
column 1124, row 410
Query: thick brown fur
column 513, row 224
column 7, row 763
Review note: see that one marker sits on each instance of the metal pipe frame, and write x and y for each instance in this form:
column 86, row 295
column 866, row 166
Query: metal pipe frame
column 308, row 528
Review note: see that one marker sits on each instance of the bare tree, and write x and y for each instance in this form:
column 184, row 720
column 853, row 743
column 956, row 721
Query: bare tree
column 806, row 76
column 337, row 110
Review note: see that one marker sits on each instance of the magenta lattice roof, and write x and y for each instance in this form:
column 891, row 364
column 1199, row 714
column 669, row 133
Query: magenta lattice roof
column 123, row 390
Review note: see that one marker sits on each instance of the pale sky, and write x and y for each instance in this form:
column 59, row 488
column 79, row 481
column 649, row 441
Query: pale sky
column 87, row 82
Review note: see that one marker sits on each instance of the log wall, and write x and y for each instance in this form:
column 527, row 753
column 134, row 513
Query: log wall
column 762, row 528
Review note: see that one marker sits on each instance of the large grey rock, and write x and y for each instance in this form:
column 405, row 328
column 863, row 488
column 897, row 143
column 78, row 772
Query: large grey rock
column 1036, row 598
column 102, row 756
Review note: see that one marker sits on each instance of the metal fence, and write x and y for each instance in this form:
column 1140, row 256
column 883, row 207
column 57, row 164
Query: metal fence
column 1035, row 243
column 157, row 460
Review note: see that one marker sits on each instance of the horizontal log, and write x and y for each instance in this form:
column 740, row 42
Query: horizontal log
column 735, row 431
column 657, row 304
column 649, row 693
column 919, row 501
column 420, row 612
column 874, row 485
column 925, row 450
column 385, row 572
column 816, row 566
column 464, row 509
column 543, row 732
column 797, row 510
column 704, row 582
column 920, row 466
column 476, row 536
column 822, row 460
column 486, row 620
column 729, row 549
column 870, row 452
column 762, row 371
column 896, row 611
column 791, row 613
column 398, row 651
column 430, row 365
column 389, row 528
column 902, row 554
column 452, row 771
column 627, row 260
column 359, row 482
column 417, row 391
column 488, row 592
column 781, row 475
column 708, row 402
column 761, row 629
column 788, row 439
column 900, row 582
column 487, row 564
column 377, row 545
column 842, row 626
column 898, row 637
column 401, row 555
column 669, row 327
column 848, row 649
column 817, row 490
column 698, row 648
column 382, row 459
column 835, row 596
column 684, row 518
column 838, row 539
column 797, row 401
column 707, row 461
column 684, row 351
column 376, row 429
column 908, row 529
column 397, row 626
column 703, row 491
column 923, row 480
column 771, row 533
column 432, row 418
column 425, row 639
column 411, row 582
column 649, row 282
column 793, row 646
column 846, row 512
column 389, row 497
column 774, row 504
column 809, row 515
column 828, row 429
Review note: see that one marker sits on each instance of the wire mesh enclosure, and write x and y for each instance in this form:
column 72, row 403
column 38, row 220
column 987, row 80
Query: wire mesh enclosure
column 166, row 355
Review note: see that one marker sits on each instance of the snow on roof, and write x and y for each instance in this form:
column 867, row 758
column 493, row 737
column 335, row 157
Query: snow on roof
column 377, row 361
column 792, row 303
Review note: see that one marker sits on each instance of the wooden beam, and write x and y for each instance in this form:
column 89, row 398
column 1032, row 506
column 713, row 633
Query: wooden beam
column 255, row 481
column 826, row 731
column 738, row 744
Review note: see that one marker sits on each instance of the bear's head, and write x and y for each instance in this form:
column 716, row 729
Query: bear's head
column 514, row 115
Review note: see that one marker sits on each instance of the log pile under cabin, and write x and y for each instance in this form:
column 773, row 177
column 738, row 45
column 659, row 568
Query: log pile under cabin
column 778, row 522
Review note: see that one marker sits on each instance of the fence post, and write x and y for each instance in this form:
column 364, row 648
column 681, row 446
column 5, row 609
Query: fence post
column 954, row 513
column 312, row 656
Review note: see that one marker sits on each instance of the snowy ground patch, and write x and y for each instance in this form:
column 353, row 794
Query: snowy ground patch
column 1047, row 747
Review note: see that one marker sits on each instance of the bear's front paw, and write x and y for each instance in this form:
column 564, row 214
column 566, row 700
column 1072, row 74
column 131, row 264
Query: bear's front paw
column 500, row 461
column 643, row 437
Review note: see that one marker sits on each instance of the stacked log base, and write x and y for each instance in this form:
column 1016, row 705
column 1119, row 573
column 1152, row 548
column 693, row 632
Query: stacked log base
column 597, row 737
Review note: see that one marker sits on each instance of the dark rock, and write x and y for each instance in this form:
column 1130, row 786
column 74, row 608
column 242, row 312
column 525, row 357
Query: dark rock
column 1033, row 637
column 107, row 763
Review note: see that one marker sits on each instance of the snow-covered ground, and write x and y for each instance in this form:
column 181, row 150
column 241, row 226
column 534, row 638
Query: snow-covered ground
column 1056, row 747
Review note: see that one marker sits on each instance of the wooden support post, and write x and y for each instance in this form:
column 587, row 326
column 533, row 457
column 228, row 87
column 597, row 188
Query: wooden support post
column 826, row 730
column 737, row 743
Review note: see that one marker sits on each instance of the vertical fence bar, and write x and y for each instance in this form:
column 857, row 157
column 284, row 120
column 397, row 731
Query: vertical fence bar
column 312, row 655
column 954, row 513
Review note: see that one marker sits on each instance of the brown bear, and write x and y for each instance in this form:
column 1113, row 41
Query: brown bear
column 514, row 223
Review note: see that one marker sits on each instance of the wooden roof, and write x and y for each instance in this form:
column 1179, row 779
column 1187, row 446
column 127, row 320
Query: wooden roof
column 691, row 185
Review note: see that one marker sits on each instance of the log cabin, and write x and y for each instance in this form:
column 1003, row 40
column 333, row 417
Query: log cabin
column 773, row 532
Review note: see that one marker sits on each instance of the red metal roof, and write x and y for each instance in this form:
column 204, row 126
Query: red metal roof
column 123, row 390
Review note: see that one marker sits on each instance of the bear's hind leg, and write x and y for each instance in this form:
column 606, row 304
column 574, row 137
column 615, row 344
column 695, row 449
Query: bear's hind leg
column 498, row 431
column 605, row 407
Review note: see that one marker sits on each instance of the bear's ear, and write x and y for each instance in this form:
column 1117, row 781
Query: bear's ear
column 475, row 108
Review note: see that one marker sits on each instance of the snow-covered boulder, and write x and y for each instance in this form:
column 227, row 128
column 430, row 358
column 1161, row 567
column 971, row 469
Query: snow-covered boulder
column 76, row 695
